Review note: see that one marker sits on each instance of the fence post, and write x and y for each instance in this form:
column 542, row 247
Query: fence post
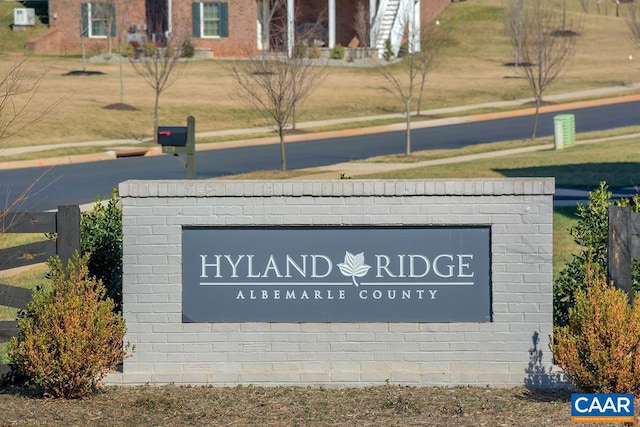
column 68, row 229
column 623, row 246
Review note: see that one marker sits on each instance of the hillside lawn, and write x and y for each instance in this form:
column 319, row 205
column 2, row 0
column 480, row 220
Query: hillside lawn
column 471, row 69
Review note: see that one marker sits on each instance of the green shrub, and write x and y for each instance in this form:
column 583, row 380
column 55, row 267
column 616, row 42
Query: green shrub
column 168, row 52
column 300, row 50
column 69, row 336
column 187, row 50
column 599, row 349
column 337, row 52
column 388, row 50
column 315, row 52
column 150, row 49
column 101, row 238
column 127, row 50
column 591, row 232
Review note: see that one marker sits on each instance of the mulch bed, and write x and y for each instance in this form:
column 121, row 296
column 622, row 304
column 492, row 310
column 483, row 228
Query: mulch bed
column 385, row 405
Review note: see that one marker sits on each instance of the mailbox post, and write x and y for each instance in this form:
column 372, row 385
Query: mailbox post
column 178, row 140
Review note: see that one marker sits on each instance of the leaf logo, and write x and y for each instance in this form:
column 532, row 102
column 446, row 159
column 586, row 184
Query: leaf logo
column 354, row 266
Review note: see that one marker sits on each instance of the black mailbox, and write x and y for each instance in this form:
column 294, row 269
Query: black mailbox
column 172, row 135
column 179, row 140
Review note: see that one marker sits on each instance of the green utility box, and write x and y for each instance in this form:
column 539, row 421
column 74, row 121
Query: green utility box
column 564, row 126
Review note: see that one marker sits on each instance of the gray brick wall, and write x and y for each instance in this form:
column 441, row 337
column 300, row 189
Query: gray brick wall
column 510, row 350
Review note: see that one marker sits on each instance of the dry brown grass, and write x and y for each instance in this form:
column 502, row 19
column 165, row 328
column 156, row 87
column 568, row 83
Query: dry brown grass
column 470, row 70
column 385, row 405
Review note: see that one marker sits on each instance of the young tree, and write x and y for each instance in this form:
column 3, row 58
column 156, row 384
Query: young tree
column 121, row 17
column 403, row 85
column 276, row 83
column 543, row 50
column 275, row 87
column 161, row 67
column 409, row 77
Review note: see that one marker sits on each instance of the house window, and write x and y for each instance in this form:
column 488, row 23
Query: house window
column 96, row 18
column 210, row 19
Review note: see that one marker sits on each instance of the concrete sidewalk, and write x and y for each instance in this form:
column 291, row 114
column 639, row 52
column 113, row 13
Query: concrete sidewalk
column 521, row 107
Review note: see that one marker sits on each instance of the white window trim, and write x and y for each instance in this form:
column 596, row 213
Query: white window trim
column 90, row 25
column 202, row 35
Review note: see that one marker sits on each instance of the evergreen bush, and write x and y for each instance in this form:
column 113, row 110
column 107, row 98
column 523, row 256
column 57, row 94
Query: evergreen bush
column 101, row 237
column 150, row 49
column 315, row 52
column 388, row 50
column 187, row 50
column 69, row 336
column 337, row 52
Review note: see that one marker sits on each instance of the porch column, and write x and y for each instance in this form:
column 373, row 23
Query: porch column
column 290, row 28
column 169, row 17
column 373, row 5
column 414, row 27
column 332, row 23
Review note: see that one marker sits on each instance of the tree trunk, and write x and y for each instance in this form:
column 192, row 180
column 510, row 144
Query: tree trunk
column 84, row 57
column 408, row 148
column 419, row 106
column 283, row 155
column 121, row 71
column 155, row 117
column 293, row 105
column 535, row 118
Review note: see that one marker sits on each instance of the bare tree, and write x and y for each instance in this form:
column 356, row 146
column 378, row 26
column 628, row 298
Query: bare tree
column 403, row 85
column 17, row 113
column 277, row 83
column 407, row 79
column 633, row 22
column 513, row 29
column 433, row 37
column 160, row 68
column 544, row 49
column 275, row 87
column 121, row 17
column 17, row 92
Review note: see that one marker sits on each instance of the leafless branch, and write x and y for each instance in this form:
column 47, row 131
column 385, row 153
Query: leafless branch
column 545, row 48
column 633, row 22
column 433, row 38
column 160, row 69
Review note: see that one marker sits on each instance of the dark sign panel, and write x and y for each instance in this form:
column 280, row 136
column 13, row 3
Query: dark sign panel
column 336, row 274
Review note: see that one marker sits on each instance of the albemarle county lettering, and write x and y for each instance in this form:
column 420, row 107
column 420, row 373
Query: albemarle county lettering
column 329, row 294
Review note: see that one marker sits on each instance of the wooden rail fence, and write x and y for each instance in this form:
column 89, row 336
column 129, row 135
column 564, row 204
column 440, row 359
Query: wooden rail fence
column 623, row 245
column 65, row 223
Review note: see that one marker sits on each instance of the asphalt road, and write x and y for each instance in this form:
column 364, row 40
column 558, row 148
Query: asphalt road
column 85, row 182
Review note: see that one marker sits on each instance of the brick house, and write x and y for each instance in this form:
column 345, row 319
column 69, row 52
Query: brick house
column 232, row 28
